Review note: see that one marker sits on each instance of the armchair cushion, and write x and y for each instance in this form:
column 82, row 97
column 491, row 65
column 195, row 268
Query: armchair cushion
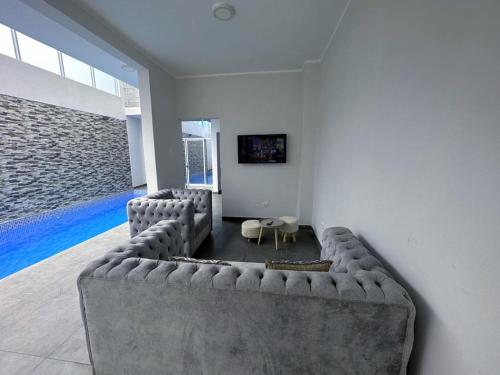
column 143, row 213
column 161, row 194
column 200, row 222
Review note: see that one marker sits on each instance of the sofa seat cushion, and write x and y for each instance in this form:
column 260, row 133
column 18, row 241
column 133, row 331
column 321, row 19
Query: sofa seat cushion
column 201, row 221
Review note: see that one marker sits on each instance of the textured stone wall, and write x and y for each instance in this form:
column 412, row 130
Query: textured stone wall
column 195, row 150
column 53, row 156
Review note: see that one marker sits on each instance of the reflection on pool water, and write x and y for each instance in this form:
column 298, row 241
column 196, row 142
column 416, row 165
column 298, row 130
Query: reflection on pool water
column 26, row 241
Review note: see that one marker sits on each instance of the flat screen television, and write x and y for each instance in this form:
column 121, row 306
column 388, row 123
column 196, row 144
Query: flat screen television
column 262, row 148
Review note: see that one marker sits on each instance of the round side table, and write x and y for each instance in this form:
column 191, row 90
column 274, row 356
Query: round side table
column 271, row 224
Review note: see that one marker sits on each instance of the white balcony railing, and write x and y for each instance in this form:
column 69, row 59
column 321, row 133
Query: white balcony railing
column 130, row 95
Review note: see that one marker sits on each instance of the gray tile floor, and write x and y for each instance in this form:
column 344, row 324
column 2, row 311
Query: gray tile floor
column 40, row 326
column 227, row 243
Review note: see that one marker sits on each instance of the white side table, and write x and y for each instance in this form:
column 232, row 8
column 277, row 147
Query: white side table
column 271, row 224
column 290, row 226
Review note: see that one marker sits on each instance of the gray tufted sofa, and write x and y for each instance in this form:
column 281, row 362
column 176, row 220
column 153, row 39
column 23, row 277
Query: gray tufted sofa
column 145, row 315
column 191, row 207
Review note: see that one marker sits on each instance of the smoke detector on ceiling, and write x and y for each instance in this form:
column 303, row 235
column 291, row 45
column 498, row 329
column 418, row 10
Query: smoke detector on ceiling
column 223, row 11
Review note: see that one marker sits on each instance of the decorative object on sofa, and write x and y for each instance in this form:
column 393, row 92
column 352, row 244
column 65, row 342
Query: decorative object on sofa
column 141, row 313
column 199, row 261
column 191, row 207
column 250, row 229
column 270, row 224
column 290, row 226
column 290, row 265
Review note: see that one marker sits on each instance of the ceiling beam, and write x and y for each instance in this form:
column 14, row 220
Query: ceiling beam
column 93, row 28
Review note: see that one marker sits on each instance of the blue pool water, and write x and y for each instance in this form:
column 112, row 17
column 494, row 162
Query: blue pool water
column 27, row 241
column 198, row 178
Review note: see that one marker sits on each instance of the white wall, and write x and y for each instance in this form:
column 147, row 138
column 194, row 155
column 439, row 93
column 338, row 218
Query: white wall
column 29, row 82
column 408, row 157
column 246, row 104
column 161, row 130
column 195, row 128
column 136, row 151
column 216, row 173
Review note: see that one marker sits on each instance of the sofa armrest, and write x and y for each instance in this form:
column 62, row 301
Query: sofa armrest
column 201, row 198
column 158, row 242
column 143, row 213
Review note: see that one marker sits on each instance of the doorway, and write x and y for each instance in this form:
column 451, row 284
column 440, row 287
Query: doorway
column 201, row 145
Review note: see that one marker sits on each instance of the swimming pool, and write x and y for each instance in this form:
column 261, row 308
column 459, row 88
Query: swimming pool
column 198, row 178
column 26, row 241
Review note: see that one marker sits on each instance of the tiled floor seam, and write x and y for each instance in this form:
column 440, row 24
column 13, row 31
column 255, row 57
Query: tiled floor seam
column 31, row 355
column 53, row 359
column 66, row 360
column 49, row 356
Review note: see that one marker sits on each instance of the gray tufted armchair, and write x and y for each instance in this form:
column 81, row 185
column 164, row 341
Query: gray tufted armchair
column 191, row 207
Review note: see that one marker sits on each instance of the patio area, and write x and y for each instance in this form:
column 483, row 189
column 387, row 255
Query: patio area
column 40, row 324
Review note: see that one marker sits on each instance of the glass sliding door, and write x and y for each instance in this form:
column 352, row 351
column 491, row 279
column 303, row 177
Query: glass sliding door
column 198, row 161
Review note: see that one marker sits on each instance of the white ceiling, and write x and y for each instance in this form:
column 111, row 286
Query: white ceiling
column 185, row 39
column 25, row 19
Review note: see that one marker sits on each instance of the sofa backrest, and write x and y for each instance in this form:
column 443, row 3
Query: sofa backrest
column 201, row 198
column 143, row 213
column 161, row 194
column 143, row 314
column 347, row 252
column 250, row 320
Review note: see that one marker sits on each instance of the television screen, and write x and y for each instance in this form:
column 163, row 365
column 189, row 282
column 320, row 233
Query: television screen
column 262, row 148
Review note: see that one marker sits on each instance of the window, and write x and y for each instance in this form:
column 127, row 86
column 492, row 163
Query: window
column 76, row 70
column 6, row 45
column 35, row 53
column 104, row 82
column 20, row 46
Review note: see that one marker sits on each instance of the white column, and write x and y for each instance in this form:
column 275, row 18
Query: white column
column 310, row 92
column 161, row 130
column 214, row 129
column 135, row 145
